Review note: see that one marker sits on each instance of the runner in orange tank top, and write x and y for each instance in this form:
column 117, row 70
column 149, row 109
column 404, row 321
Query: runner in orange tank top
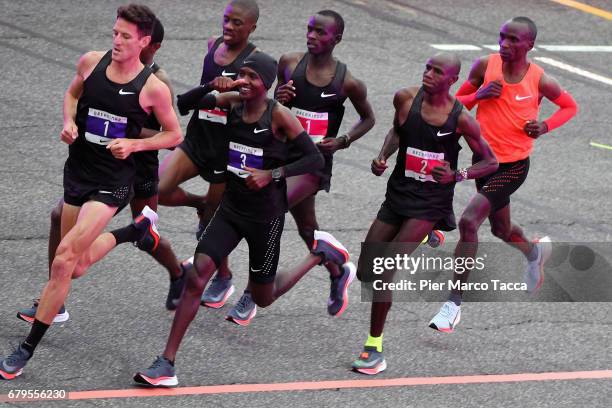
column 508, row 89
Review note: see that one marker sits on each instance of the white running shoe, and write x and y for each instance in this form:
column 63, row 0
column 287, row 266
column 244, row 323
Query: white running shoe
column 534, row 274
column 447, row 318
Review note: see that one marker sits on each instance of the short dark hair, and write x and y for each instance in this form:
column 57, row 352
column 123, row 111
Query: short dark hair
column 337, row 18
column 158, row 32
column 140, row 15
column 532, row 27
column 249, row 5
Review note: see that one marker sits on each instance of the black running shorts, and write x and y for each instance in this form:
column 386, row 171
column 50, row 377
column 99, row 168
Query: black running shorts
column 212, row 171
column 77, row 192
column 499, row 186
column 225, row 231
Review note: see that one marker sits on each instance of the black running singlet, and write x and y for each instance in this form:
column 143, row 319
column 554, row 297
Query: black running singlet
column 319, row 109
column 106, row 111
column 411, row 188
column 254, row 145
column 205, row 128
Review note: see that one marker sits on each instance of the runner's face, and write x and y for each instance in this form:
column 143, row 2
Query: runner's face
column 514, row 41
column 147, row 54
column 438, row 76
column 321, row 34
column 127, row 43
column 237, row 25
column 254, row 86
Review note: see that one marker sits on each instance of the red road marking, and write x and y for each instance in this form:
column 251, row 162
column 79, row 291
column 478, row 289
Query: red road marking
column 336, row 384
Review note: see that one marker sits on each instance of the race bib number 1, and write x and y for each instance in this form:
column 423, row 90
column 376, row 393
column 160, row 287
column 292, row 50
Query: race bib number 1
column 241, row 156
column 419, row 164
column 101, row 127
column 315, row 123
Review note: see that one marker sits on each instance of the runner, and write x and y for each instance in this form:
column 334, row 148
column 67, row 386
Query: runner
column 427, row 127
column 508, row 89
column 105, row 108
column 253, row 206
column 145, row 194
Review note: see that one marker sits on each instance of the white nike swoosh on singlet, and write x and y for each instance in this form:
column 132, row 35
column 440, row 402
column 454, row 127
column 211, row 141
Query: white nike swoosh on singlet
column 324, row 95
column 122, row 92
column 227, row 73
column 259, row 130
column 520, row 98
column 442, row 134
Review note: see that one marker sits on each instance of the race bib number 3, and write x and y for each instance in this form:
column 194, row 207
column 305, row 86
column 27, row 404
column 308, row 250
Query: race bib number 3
column 315, row 123
column 101, row 127
column 241, row 156
column 419, row 164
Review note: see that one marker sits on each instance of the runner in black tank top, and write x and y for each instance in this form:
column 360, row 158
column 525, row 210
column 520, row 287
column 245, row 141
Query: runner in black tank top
column 254, row 205
column 427, row 126
column 204, row 151
column 315, row 85
column 104, row 109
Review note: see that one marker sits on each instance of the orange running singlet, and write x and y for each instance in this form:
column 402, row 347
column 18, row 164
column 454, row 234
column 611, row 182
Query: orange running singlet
column 502, row 119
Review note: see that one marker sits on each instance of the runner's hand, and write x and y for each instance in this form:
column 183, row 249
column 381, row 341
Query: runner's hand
column 225, row 84
column 491, row 90
column 329, row 145
column 379, row 166
column 258, row 179
column 535, row 129
column 443, row 174
column 69, row 132
column 121, row 148
column 285, row 93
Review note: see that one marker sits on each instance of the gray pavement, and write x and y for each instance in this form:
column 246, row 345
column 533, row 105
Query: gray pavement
column 118, row 323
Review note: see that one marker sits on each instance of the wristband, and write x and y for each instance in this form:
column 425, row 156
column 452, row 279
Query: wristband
column 460, row 175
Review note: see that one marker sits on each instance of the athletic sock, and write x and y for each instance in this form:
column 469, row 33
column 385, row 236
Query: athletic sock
column 126, row 234
column 375, row 342
column 37, row 332
column 455, row 298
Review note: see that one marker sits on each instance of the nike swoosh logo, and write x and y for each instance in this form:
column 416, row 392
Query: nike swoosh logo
column 122, row 92
column 243, row 173
column 218, row 172
column 259, row 130
column 227, row 73
column 324, row 95
column 256, row 270
column 442, row 134
column 520, row 98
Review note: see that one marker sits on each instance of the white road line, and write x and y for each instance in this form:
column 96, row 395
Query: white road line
column 575, row 70
column 600, row 145
column 578, row 48
column 455, row 47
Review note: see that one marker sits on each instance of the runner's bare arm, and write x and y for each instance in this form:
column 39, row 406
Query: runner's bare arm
column 285, row 91
column 85, row 66
column 469, row 128
column 162, row 76
column 357, row 92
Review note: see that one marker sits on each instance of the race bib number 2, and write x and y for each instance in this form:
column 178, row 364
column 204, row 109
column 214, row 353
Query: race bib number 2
column 241, row 156
column 315, row 123
column 101, row 127
column 420, row 163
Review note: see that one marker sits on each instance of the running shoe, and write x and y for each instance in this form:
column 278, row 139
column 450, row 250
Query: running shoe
column 11, row 366
column 338, row 294
column 534, row 274
column 244, row 311
column 370, row 361
column 176, row 286
column 329, row 248
column 217, row 293
column 447, row 318
column 27, row 315
column 160, row 374
column 434, row 239
column 146, row 223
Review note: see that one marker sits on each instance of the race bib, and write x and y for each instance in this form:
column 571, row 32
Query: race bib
column 102, row 127
column 241, row 156
column 213, row 115
column 419, row 164
column 315, row 123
